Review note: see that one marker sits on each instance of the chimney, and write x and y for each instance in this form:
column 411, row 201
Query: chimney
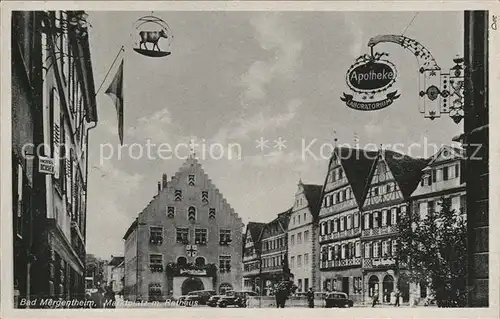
column 164, row 181
column 159, row 187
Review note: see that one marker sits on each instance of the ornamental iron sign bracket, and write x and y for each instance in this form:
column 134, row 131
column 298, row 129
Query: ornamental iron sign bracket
column 440, row 92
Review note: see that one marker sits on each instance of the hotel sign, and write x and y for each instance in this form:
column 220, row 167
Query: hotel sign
column 383, row 262
column 369, row 78
column 46, row 165
column 193, row 272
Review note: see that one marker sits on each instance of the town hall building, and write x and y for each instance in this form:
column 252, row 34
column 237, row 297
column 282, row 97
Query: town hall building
column 188, row 238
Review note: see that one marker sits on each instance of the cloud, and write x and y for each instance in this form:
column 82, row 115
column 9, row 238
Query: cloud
column 242, row 127
column 357, row 35
column 272, row 35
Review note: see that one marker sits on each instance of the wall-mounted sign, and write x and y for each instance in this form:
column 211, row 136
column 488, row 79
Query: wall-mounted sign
column 377, row 262
column 369, row 78
column 46, row 165
column 193, row 272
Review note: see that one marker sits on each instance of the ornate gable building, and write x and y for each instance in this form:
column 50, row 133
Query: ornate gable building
column 251, row 256
column 392, row 179
column 302, row 237
column 187, row 238
column 274, row 246
column 339, row 220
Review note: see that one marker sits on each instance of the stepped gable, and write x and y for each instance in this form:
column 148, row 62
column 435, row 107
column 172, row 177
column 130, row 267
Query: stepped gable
column 357, row 164
column 406, row 170
column 313, row 196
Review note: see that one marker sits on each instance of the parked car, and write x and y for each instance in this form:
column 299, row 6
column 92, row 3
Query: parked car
column 337, row 299
column 212, row 301
column 182, row 299
column 233, row 300
column 192, row 300
column 203, row 295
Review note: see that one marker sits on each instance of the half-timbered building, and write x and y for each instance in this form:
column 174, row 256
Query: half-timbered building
column 339, row 221
column 392, row 179
column 251, row 256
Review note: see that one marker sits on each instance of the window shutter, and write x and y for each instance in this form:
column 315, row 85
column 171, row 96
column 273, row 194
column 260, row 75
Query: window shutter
column 56, row 132
column 433, row 175
column 457, row 170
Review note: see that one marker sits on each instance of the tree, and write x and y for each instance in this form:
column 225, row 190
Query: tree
column 435, row 248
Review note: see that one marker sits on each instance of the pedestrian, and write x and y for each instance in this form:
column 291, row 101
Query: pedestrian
column 109, row 297
column 375, row 298
column 396, row 303
column 310, row 298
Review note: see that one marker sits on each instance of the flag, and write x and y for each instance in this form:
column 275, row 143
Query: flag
column 115, row 92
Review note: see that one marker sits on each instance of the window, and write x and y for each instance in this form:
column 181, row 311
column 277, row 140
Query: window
column 376, row 219
column 191, row 180
column 349, row 222
column 211, row 213
column 357, row 249
column 204, row 196
column 299, row 261
column 367, row 221
column 199, row 261
column 224, row 263
column 178, row 195
column 156, row 235
column 368, row 249
column 384, row 218
column 394, row 247
column 182, row 235
column 445, row 173
column 343, row 251
column 298, row 219
column 306, row 259
column 457, row 170
column 225, row 236
column 192, row 213
column 430, row 208
column 156, row 263
column 292, row 240
column 200, row 236
column 292, row 261
column 170, row 212
column 376, row 247
column 294, row 220
column 356, row 220
column 385, row 247
column 342, row 223
column 299, row 238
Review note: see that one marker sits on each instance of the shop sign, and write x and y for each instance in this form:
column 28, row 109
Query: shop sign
column 369, row 79
column 46, row 165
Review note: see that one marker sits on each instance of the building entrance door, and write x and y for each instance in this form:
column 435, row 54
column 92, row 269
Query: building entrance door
column 345, row 285
column 192, row 284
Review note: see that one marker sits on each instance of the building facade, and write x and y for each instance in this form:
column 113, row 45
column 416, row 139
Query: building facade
column 302, row 239
column 53, row 108
column 440, row 178
column 115, row 272
column 339, row 221
column 252, row 256
column 187, row 238
column 274, row 246
column 392, row 179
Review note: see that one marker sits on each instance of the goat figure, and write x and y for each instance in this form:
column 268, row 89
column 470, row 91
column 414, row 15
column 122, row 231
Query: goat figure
column 151, row 37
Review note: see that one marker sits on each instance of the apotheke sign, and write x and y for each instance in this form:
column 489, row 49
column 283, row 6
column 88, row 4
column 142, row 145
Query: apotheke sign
column 368, row 78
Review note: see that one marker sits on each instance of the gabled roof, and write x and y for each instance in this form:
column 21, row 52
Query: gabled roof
column 116, row 261
column 406, row 170
column 255, row 229
column 281, row 221
column 357, row 164
column 458, row 153
column 313, row 196
column 132, row 227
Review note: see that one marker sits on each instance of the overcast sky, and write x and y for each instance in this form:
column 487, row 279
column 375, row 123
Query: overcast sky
column 234, row 77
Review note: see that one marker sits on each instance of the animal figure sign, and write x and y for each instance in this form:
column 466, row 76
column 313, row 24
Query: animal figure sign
column 150, row 30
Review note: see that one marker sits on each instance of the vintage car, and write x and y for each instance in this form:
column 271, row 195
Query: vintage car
column 337, row 299
column 231, row 300
column 203, row 295
column 212, row 301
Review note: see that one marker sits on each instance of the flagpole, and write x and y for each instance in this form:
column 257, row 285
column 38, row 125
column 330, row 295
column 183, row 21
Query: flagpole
column 122, row 49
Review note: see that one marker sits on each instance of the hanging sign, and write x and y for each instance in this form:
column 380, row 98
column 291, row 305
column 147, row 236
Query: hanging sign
column 369, row 78
column 46, row 165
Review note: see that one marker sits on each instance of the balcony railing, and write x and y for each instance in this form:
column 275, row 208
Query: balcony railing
column 391, row 229
column 341, row 263
column 376, row 262
column 341, row 234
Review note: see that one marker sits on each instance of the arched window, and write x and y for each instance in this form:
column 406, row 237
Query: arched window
column 358, row 249
column 343, row 251
column 181, row 261
column 225, row 288
column 199, row 261
column 192, row 213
